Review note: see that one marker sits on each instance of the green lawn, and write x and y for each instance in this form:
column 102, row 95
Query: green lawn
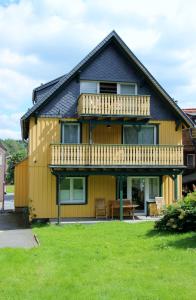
column 9, row 188
column 103, row 261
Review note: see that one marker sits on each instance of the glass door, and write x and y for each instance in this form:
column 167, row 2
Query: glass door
column 142, row 189
column 136, row 191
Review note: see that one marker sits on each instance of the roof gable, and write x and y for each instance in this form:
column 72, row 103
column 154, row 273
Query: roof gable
column 112, row 37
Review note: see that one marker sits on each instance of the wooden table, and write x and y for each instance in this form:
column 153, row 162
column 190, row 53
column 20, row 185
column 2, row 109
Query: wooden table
column 126, row 205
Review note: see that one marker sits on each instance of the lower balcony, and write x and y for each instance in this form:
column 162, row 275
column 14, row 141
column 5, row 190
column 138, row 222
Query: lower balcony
column 116, row 155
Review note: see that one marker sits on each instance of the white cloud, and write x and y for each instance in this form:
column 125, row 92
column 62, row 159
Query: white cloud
column 9, row 125
column 10, row 134
column 13, row 59
column 42, row 39
column 15, row 89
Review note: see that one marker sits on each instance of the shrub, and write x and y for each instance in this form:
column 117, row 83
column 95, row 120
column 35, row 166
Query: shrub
column 180, row 216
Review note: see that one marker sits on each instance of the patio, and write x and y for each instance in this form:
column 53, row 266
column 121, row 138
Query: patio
column 67, row 221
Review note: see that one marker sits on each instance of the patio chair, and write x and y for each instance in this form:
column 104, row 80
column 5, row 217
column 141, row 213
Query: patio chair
column 160, row 204
column 100, row 208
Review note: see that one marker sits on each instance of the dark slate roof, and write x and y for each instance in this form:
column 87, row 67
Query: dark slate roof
column 62, row 80
column 41, row 90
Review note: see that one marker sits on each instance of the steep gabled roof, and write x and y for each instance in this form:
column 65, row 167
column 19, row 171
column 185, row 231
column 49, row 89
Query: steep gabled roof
column 115, row 37
column 38, row 91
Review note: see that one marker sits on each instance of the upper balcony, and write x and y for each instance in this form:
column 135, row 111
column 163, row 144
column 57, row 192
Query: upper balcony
column 114, row 105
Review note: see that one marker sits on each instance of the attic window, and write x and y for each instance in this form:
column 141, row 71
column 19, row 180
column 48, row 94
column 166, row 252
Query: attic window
column 108, row 88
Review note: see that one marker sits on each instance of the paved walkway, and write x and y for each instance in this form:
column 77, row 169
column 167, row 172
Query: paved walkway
column 14, row 233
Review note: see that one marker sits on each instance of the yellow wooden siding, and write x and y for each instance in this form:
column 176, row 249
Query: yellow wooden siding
column 21, row 184
column 43, row 198
column 107, row 135
column 42, row 184
column 168, row 134
column 168, row 189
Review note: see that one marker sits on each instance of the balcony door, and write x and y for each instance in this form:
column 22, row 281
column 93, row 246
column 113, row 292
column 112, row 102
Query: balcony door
column 139, row 135
column 70, row 133
column 141, row 190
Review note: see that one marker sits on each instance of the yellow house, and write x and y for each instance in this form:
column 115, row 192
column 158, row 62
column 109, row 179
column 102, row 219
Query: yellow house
column 105, row 130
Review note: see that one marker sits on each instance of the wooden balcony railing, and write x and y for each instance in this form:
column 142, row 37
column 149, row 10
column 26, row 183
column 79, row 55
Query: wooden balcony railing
column 116, row 155
column 113, row 105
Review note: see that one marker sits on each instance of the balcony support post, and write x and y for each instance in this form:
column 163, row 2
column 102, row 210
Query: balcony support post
column 121, row 198
column 58, row 199
column 176, row 187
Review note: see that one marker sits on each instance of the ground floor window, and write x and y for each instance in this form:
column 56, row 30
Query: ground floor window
column 72, row 190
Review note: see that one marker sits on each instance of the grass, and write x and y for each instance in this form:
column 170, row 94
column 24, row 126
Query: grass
column 103, row 261
column 9, row 188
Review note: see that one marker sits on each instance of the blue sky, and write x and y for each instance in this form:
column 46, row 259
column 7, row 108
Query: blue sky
column 44, row 39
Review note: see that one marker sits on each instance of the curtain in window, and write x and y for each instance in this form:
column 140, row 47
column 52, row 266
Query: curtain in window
column 64, row 190
column 88, row 87
column 78, row 189
column 127, row 89
column 71, row 190
column 130, row 135
column 153, row 188
column 146, row 136
column 70, row 134
column 139, row 135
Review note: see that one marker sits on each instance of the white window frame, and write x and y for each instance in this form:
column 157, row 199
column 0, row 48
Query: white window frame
column 62, row 130
column 97, row 84
column 126, row 83
column 190, row 165
column 118, row 85
column 155, row 133
column 146, row 189
column 71, row 201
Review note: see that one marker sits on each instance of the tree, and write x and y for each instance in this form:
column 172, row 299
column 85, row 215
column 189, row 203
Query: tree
column 13, row 160
column 16, row 151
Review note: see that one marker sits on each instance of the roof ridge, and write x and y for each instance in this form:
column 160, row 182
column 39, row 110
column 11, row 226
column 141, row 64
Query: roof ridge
column 132, row 56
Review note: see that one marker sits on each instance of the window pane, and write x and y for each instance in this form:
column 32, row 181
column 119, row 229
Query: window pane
column 190, row 159
column 78, row 189
column 64, row 190
column 88, row 87
column 70, row 134
column 108, row 88
column 130, row 135
column 146, row 136
column 128, row 89
column 153, row 188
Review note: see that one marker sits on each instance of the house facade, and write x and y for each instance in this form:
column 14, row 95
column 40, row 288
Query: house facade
column 2, row 173
column 105, row 130
column 189, row 142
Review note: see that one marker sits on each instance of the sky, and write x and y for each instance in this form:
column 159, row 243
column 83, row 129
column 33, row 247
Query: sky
column 44, row 39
